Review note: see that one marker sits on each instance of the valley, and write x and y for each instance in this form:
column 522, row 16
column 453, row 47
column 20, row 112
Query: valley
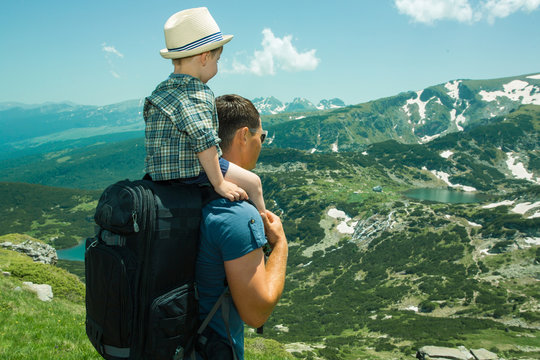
column 373, row 272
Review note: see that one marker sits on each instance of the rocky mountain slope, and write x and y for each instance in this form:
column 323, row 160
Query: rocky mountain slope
column 372, row 273
column 410, row 117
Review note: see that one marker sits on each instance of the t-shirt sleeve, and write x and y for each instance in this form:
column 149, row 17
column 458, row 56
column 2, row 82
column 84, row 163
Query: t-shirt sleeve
column 244, row 233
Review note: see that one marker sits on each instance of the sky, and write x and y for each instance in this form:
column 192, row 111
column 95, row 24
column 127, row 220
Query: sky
column 102, row 52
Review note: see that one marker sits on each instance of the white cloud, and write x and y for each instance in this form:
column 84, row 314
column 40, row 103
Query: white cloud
column 276, row 54
column 502, row 8
column 429, row 11
column 111, row 50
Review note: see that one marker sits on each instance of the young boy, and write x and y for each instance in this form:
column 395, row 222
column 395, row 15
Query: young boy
column 181, row 118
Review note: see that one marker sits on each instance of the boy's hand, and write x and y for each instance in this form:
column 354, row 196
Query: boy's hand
column 273, row 228
column 231, row 191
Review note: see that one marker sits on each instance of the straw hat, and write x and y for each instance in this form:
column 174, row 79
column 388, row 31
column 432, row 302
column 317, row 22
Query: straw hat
column 191, row 32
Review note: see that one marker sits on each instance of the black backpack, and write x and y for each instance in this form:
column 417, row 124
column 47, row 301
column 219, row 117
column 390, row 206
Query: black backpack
column 140, row 267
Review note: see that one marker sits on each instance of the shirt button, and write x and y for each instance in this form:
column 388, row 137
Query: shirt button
column 252, row 221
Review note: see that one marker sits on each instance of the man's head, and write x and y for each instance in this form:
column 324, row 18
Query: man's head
column 240, row 130
column 191, row 32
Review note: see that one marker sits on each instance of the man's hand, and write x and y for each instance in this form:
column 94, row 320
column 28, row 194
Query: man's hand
column 273, row 228
column 231, row 191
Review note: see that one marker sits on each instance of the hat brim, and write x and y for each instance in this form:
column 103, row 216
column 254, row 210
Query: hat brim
column 206, row 47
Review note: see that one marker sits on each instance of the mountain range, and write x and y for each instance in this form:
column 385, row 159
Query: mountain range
column 272, row 106
column 409, row 117
column 37, row 128
column 374, row 271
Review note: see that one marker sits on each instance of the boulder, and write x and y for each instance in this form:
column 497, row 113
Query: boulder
column 442, row 353
column 483, row 354
column 43, row 291
column 39, row 252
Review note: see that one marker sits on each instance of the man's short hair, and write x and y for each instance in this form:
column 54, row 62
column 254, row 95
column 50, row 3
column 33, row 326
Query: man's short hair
column 235, row 112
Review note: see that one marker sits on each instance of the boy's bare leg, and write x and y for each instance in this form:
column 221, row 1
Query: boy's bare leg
column 248, row 181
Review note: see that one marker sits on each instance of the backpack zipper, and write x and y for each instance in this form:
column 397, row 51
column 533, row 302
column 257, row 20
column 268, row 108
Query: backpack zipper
column 134, row 217
column 149, row 206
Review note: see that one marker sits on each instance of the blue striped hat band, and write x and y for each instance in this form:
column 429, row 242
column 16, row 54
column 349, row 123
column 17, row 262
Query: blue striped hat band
column 197, row 43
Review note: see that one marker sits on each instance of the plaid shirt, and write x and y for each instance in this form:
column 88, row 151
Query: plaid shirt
column 181, row 120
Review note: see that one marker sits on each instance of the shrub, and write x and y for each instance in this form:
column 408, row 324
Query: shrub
column 64, row 284
column 427, row 306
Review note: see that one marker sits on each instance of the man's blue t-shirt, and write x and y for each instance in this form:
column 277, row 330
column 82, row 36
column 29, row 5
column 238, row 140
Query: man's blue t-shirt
column 229, row 230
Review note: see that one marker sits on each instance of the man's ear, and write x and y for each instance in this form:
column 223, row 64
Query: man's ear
column 245, row 131
column 241, row 135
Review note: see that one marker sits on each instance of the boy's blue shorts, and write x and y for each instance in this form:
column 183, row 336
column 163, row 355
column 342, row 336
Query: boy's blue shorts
column 203, row 178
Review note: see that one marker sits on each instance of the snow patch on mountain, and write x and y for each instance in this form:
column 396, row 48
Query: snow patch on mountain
column 343, row 227
column 446, row 154
column 427, row 138
column 520, row 208
column 501, row 203
column 445, row 177
column 421, row 106
column 524, row 207
column 518, row 169
column 536, row 77
column 453, row 89
column 516, row 90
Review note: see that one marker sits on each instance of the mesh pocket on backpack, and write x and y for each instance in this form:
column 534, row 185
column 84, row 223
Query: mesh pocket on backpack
column 173, row 322
column 108, row 297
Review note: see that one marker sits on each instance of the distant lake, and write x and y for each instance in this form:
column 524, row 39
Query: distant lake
column 75, row 253
column 445, row 195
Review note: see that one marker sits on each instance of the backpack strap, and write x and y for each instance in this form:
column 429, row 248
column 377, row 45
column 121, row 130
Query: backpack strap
column 224, row 302
column 225, row 310
column 116, row 351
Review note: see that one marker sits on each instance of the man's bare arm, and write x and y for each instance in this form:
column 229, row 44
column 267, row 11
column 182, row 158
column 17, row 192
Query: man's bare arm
column 255, row 286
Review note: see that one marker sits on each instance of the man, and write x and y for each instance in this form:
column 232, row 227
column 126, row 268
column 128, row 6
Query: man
column 232, row 236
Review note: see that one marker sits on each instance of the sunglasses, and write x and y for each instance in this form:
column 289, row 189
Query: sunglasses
column 263, row 133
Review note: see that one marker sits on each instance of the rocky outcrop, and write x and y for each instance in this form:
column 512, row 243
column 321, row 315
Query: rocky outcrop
column 366, row 230
column 39, row 252
column 461, row 353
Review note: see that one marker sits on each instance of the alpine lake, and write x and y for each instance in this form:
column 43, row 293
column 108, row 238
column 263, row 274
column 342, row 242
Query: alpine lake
column 76, row 253
column 444, row 195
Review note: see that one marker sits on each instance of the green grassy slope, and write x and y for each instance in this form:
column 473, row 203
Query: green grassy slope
column 32, row 329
